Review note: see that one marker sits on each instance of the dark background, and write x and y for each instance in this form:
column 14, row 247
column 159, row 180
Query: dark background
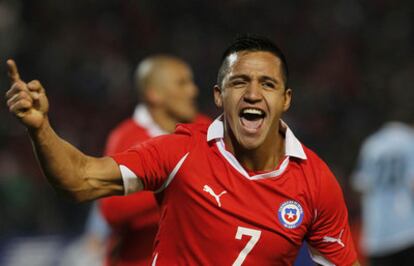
column 351, row 65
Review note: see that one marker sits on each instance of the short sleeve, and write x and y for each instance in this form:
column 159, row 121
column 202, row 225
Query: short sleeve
column 154, row 160
column 330, row 234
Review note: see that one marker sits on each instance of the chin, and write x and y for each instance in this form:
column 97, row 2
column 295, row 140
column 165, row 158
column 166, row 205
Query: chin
column 250, row 144
column 187, row 117
column 191, row 119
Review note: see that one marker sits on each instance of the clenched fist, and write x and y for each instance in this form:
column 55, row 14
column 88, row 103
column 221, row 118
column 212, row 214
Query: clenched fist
column 27, row 101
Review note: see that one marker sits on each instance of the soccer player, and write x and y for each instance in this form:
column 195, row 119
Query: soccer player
column 167, row 93
column 385, row 178
column 242, row 191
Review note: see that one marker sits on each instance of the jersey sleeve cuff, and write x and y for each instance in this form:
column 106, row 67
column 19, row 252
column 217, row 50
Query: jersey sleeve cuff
column 129, row 178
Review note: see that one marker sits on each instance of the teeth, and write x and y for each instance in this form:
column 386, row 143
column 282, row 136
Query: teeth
column 252, row 111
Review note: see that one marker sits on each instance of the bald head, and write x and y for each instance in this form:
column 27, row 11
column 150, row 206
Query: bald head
column 165, row 83
column 152, row 71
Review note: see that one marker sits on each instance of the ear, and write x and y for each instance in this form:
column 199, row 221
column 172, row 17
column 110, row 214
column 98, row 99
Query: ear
column 153, row 96
column 288, row 99
column 218, row 96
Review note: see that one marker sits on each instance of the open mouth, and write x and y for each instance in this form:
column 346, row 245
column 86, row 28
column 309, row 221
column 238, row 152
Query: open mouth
column 252, row 118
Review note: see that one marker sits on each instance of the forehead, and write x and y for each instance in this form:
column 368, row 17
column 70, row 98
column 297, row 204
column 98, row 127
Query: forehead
column 176, row 65
column 260, row 63
column 174, row 69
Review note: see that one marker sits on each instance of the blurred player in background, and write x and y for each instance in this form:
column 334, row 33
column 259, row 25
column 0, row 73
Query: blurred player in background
column 167, row 96
column 241, row 191
column 385, row 178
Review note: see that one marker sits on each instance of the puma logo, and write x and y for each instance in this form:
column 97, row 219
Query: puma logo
column 334, row 240
column 209, row 190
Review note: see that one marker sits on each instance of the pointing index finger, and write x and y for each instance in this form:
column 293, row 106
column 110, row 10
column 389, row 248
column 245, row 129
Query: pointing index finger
column 12, row 71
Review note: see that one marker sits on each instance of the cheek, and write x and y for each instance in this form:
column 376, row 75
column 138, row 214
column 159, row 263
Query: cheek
column 180, row 101
column 276, row 102
column 186, row 93
column 172, row 100
column 174, row 95
column 230, row 100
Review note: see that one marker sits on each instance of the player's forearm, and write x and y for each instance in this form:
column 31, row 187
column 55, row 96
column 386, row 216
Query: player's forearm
column 71, row 172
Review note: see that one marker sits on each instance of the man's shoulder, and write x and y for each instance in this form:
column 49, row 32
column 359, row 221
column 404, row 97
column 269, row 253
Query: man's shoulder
column 203, row 119
column 129, row 128
column 320, row 179
column 393, row 137
column 315, row 166
column 192, row 129
column 127, row 125
column 126, row 134
column 311, row 157
column 185, row 135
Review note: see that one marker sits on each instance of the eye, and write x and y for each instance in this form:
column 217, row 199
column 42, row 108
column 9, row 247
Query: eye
column 238, row 83
column 269, row 84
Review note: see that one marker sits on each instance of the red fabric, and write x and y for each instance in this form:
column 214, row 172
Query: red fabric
column 134, row 218
column 195, row 230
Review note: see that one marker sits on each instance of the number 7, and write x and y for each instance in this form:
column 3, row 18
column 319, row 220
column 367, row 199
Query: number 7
column 255, row 234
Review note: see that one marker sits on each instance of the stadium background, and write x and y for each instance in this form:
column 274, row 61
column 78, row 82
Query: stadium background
column 351, row 63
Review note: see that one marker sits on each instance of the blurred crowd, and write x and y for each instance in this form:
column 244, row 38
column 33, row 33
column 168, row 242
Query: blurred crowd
column 351, row 69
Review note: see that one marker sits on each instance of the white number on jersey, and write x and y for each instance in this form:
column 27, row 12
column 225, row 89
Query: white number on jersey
column 255, row 234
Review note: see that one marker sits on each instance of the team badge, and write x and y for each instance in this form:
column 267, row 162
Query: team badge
column 290, row 214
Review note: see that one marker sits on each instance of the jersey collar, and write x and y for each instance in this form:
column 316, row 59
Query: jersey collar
column 143, row 118
column 293, row 147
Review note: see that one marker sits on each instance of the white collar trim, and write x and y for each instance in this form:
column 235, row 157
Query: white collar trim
column 143, row 118
column 293, row 148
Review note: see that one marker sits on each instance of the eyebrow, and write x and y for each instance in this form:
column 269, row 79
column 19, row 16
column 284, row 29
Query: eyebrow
column 240, row 76
column 269, row 78
column 246, row 77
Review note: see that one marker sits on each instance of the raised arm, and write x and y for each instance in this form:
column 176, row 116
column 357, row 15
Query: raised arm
column 68, row 170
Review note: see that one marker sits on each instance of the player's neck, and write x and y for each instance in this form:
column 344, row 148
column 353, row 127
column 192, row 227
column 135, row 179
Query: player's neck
column 266, row 157
column 162, row 119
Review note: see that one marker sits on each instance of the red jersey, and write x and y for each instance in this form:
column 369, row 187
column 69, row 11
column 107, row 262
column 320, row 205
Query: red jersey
column 133, row 219
column 215, row 212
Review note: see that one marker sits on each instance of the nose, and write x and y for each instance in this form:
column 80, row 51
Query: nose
column 253, row 93
column 192, row 90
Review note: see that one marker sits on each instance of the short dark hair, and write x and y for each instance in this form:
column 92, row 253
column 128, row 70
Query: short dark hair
column 252, row 43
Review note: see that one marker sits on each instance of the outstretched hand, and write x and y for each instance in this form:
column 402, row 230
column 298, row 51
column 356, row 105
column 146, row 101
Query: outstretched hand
column 27, row 101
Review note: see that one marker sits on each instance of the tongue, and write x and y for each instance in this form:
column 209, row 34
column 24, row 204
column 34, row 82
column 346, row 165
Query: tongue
column 252, row 124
